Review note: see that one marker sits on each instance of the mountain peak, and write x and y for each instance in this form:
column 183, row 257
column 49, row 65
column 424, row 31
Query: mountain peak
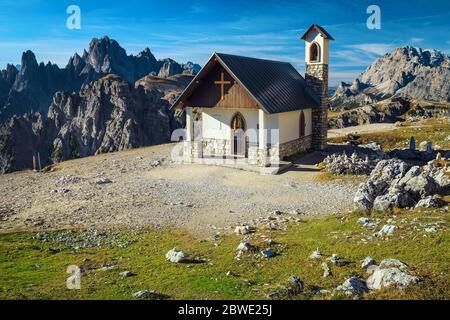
column 28, row 59
column 407, row 71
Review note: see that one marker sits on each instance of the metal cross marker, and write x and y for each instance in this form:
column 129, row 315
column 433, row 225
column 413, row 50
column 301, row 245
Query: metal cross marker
column 222, row 83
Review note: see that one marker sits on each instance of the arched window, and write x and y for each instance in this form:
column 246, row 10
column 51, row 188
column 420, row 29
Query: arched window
column 314, row 52
column 302, row 124
column 238, row 122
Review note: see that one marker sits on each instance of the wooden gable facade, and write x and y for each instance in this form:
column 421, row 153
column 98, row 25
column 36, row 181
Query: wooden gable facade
column 215, row 87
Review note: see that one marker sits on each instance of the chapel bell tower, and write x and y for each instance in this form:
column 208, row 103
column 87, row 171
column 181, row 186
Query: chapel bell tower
column 317, row 41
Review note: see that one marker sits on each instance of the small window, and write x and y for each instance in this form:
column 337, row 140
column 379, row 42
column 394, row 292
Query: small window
column 314, row 52
column 302, row 125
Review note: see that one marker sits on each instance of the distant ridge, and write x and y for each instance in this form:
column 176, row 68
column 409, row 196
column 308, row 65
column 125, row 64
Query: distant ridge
column 407, row 72
column 31, row 86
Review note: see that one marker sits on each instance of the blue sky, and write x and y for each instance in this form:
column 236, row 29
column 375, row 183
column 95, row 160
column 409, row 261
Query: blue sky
column 192, row 30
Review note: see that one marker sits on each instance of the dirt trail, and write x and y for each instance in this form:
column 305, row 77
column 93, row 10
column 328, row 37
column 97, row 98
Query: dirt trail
column 142, row 187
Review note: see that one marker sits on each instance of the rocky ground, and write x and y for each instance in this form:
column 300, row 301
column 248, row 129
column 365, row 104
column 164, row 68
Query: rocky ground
column 142, row 187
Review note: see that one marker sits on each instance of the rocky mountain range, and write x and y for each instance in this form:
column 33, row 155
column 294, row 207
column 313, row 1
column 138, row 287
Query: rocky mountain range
column 407, row 72
column 31, row 88
column 109, row 114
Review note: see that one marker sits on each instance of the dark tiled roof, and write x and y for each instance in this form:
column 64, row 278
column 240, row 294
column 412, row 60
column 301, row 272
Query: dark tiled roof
column 319, row 29
column 275, row 85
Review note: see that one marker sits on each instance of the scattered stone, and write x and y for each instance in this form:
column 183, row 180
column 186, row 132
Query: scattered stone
column 367, row 262
column 242, row 230
column 177, row 256
column 103, row 181
column 392, row 263
column 372, row 146
column 147, row 294
column 107, row 268
column 387, row 229
column 61, row 190
column 297, row 283
column 431, row 229
column 245, row 246
column 430, row 202
column 342, row 164
column 396, row 277
column 334, row 258
column 126, row 274
column 295, row 211
column 231, row 274
column 272, row 225
column 353, row 286
column 268, row 253
column 367, row 223
column 316, row 254
column 326, row 270
column 75, row 240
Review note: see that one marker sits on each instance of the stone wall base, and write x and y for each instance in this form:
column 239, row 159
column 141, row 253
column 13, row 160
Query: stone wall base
column 256, row 156
column 295, row 146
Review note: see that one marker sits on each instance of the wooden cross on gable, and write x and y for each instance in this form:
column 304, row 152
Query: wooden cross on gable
column 222, row 84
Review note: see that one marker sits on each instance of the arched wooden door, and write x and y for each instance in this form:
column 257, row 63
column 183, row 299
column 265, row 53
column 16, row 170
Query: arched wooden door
column 302, row 124
column 238, row 128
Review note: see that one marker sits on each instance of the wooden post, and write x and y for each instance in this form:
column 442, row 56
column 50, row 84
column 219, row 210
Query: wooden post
column 34, row 163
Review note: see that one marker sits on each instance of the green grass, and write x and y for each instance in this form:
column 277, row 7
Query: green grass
column 427, row 255
column 434, row 130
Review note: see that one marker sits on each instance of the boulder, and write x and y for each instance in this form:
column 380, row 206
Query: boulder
column 392, row 184
column 177, row 256
column 420, row 186
column 367, row 262
column 363, row 198
column 392, row 263
column 371, row 269
column 395, row 277
column 389, row 170
column 430, row 202
column 353, row 286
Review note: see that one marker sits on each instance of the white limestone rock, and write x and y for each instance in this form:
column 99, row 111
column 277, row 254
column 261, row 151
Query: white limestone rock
column 387, row 229
column 245, row 246
column 316, row 254
column 367, row 262
column 242, row 230
column 391, row 277
column 177, row 256
column 353, row 286
column 297, row 283
column 393, row 263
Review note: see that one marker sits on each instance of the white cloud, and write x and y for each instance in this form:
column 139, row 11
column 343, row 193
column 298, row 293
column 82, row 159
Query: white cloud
column 373, row 48
column 416, row 40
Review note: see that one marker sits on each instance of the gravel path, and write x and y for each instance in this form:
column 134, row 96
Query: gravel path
column 142, row 187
